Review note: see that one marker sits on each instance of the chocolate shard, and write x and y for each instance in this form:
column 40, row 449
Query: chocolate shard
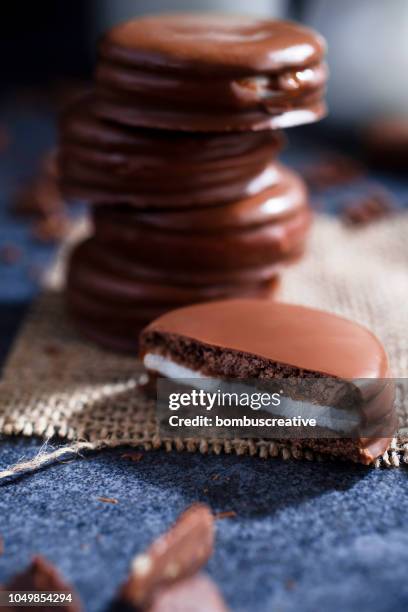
column 42, row 576
column 173, row 557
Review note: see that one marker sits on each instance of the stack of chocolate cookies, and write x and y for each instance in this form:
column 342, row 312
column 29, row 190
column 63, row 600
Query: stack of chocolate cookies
column 176, row 149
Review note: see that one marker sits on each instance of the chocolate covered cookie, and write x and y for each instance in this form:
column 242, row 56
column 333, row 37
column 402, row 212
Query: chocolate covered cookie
column 176, row 151
column 257, row 339
column 266, row 229
column 207, row 72
column 109, row 163
column 111, row 300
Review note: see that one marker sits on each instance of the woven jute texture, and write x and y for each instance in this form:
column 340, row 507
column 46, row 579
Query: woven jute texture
column 57, row 384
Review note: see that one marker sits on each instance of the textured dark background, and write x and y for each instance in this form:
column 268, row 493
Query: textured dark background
column 307, row 536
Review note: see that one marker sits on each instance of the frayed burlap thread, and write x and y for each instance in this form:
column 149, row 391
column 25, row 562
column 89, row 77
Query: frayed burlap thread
column 57, row 385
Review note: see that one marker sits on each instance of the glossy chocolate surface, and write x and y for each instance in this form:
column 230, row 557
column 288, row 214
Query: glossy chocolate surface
column 207, row 72
column 301, row 337
column 225, row 42
column 111, row 300
column 106, row 163
column 305, row 340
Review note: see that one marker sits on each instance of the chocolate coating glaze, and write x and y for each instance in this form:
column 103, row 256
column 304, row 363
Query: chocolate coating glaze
column 223, row 42
column 286, row 198
column 211, row 73
column 260, row 231
column 193, row 189
column 92, row 278
column 297, row 336
column 115, row 264
column 292, row 341
column 103, row 162
column 265, row 114
column 112, row 305
column 79, row 125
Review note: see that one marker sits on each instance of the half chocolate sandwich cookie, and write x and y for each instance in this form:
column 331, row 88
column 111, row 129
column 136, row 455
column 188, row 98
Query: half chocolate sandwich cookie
column 258, row 340
column 207, row 72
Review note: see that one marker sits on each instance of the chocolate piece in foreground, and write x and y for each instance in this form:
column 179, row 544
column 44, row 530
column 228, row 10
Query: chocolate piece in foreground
column 175, row 556
column 42, row 576
column 211, row 73
column 253, row 339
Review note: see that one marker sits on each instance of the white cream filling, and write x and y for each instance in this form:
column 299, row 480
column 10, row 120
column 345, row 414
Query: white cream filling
column 329, row 417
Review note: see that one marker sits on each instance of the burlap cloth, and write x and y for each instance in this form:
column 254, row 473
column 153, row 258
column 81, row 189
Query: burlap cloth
column 57, row 384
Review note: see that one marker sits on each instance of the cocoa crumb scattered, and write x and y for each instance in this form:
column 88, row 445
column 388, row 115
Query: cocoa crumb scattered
column 175, row 556
column 108, row 500
column 132, row 456
column 215, row 477
column 332, row 170
column 10, row 254
column 224, row 515
column 41, row 575
column 368, row 208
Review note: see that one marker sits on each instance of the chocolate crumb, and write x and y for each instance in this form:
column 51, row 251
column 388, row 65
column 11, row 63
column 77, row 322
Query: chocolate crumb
column 332, row 171
column 108, row 500
column 41, row 575
column 173, row 557
column 224, row 515
column 368, row 208
column 215, row 477
column 132, row 456
column 10, row 254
